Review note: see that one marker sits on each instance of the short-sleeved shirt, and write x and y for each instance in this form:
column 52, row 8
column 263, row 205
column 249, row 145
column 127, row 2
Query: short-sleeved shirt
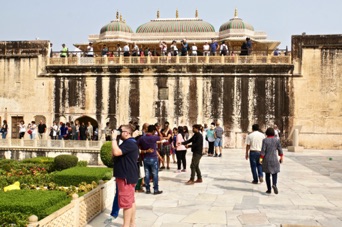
column 213, row 47
column 255, row 140
column 219, row 132
column 125, row 166
column 166, row 134
column 149, row 141
column 41, row 128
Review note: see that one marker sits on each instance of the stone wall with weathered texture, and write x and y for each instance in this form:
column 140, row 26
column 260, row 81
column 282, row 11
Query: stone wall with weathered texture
column 317, row 95
column 238, row 95
column 23, row 92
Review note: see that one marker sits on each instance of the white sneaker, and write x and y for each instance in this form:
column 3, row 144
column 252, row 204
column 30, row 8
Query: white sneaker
column 109, row 220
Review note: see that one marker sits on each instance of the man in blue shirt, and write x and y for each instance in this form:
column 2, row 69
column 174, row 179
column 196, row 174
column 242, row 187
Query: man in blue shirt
column 148, row 146
column 126, row 171
column 213, row 47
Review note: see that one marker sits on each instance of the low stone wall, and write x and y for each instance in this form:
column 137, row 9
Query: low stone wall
column 81, row 210
column 21, row 149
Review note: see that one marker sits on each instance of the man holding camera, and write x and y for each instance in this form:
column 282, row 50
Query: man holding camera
column 126, row 171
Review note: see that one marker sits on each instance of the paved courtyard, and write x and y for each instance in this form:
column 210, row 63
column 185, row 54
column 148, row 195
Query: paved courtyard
column 310, row 194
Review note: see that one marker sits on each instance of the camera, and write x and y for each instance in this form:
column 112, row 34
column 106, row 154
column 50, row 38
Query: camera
column 118, row 131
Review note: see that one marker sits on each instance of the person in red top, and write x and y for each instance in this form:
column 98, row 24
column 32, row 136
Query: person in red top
column 270, row 149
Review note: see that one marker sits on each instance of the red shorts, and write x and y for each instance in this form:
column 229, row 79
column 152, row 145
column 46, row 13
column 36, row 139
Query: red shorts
column 126, row 193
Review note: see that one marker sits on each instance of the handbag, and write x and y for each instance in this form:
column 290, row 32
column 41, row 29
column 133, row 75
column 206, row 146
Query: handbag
column 29, row 131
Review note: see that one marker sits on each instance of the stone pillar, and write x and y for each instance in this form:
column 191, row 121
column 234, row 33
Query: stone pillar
column 207, row 58
column 236, row 59
column 295, row 147
column 177, row 59
column 76, row 204
column 148, row 59
column 32, row 221
column 222, row 59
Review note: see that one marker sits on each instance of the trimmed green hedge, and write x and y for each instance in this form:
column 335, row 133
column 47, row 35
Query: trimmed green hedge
column 77, row 175
column 8, row 218
column 65, row 161
column 37, row 202
column 106, row 154
column 37, row 160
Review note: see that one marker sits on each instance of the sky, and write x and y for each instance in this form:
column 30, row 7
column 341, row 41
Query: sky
column 71, row 21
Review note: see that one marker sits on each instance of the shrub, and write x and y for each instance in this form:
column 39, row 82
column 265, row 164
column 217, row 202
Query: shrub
column 37, row 202
column 82, row 164
column 46, row 162
column 106, row 154
column 65, row 162
column 8, row 218
column 75, row 176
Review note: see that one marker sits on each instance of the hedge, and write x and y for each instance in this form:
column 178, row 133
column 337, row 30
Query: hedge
column 77, row 175
column 37, row 202
column 106, row 154
column 65, row 161
column 8, row 218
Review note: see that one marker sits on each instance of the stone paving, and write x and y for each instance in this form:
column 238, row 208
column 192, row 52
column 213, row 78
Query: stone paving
column 310, row 194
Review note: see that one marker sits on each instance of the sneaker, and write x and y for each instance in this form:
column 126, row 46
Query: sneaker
column 275, row 189
column 215, row 155
column 183, row 170
column 261, row 179
column 157, row 192
column 220, row 155
column 254, row 182
column 163, row 167
column 148, row 192
column 109, row 220
column 268, row 191
column 190, row 182
column 168, row 167
column 199, row 180
column 178, row 171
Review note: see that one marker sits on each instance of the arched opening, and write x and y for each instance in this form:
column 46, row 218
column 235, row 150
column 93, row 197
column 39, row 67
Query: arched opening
column 85, row 120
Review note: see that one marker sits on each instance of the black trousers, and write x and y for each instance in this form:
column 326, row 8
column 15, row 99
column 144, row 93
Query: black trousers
column 268, row 180
column 181, row 159
column 211, row 147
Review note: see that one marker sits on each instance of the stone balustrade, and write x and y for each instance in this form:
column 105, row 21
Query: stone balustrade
column 121, row 60
column 81, row 210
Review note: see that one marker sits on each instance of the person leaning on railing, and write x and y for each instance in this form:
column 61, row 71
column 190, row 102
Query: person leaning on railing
column 64, row 51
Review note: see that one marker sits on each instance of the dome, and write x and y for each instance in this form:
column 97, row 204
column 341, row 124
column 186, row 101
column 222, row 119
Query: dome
column 236, row 23
column 116, row 26
column 175, row 26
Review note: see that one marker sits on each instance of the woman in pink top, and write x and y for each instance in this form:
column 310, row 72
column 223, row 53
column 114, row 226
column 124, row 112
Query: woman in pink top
column 180, row 150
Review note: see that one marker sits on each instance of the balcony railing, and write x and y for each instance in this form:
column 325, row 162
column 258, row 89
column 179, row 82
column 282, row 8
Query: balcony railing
column 53, row 144
column 143, row 60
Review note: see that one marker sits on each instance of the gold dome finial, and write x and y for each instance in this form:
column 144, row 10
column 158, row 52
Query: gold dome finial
column 236, row 13
column 117, row 15
column 177, row 13
column 196, row 13
column 120, row 17
column 158, row 14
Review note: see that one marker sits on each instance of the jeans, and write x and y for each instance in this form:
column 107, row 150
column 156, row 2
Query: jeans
column 151, row 167
column 268, row 180
column 256, row 167
column 115, row 207
column 196, row 158
column 4, row 134
column 181, row 159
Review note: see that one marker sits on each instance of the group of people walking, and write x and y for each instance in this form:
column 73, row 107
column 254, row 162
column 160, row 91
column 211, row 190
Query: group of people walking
column 263, row 153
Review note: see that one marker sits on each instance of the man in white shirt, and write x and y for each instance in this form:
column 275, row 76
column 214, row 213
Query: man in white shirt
column 90, row 50
column 126, row 50
column 253, row 145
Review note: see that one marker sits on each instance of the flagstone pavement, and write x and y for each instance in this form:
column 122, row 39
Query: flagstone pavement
column 310, row 194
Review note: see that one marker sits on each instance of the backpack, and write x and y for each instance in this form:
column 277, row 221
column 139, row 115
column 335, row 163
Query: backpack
column 224, row 49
